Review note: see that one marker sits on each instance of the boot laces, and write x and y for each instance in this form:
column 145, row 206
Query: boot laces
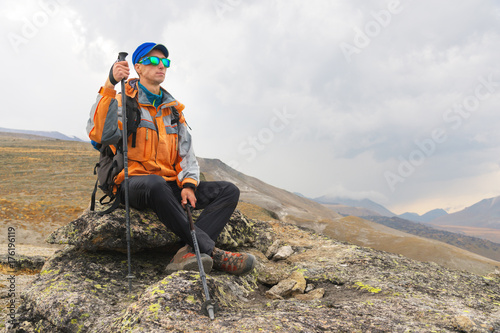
column 231, row 261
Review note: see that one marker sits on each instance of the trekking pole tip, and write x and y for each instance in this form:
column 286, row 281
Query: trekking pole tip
column 209, row 308
column 211, row 314
column 129, row 278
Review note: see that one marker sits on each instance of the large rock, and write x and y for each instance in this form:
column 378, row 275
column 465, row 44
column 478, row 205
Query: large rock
column 21, row 263
column 93, row 232
column 87, row 292
column 355, row 290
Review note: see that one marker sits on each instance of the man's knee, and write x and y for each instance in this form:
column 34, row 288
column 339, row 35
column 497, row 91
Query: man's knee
column 157, row 184
column 233, row 191
column 152, row 185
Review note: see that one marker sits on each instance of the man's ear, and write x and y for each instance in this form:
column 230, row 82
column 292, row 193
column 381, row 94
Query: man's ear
column 137, row 67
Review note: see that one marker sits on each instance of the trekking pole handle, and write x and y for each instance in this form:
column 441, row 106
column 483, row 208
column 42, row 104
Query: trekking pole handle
column 122, row 56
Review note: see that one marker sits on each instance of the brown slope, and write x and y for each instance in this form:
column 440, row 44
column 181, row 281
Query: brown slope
column 369, row 234
column 349, row 210
column 493, row 235
column 286, row 205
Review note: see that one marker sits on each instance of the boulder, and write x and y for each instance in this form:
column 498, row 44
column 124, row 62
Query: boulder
column 283, row 253
column 273, row 249
column 294, row 285
column 301, row 283
column 311, row 295
column 93, row 232
column 281, row 290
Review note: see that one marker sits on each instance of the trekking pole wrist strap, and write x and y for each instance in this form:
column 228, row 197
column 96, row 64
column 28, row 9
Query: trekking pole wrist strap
column 189, row 185
column 111, row 77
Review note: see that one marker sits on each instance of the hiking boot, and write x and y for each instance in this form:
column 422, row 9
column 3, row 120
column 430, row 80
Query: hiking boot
column 185, row 259
column 233, row 263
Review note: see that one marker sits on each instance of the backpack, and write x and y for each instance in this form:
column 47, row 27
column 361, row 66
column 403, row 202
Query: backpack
column 111, row 161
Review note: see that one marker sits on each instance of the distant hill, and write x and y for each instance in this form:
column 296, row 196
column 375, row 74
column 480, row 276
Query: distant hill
column 427, row 217
column 474, row 239
column 367, row 207
column 351, row 211
column 52, row 134
column 365, row 203
column 480, row 246
column 484, row 214
column 280, row 203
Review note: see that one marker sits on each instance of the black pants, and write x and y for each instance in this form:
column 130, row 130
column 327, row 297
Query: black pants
column 218, row 199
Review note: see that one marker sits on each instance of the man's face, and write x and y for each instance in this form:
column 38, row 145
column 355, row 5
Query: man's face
column 152, row 74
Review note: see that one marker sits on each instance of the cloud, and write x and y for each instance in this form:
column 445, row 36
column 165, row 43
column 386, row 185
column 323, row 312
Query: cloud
column 270, row 87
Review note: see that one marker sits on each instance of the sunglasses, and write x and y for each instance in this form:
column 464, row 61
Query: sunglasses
column 155, row 61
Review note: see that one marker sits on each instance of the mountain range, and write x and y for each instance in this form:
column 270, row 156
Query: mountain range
column 427, row 217
column 367, row 207
column 479, row 220
column 486, row 210
column 52, row 134
column 484, row 214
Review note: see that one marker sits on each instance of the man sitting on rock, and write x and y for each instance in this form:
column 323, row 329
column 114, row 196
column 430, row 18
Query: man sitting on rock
column 164, row 172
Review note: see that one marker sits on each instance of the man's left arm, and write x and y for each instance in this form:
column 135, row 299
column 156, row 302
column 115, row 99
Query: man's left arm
column 188, row 170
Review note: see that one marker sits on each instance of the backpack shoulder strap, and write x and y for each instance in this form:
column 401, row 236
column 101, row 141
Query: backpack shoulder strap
column 133, row 117
column 115, row 205
column 109, row 163
column 92, row 198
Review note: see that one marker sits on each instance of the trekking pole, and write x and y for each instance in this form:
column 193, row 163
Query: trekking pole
column 208, row 306
column 121, row 57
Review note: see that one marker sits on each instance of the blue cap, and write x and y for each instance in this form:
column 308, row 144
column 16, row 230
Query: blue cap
column 145, row 48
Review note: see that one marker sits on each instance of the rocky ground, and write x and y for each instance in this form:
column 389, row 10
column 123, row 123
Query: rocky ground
column 304, row 282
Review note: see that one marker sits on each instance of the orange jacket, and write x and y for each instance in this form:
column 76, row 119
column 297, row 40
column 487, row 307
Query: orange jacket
column 163, row 145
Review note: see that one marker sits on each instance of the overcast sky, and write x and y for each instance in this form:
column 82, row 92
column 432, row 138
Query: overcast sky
column 395, row 101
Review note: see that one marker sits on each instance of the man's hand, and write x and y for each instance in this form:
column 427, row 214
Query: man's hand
column 187, row 193
column 120, row 71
